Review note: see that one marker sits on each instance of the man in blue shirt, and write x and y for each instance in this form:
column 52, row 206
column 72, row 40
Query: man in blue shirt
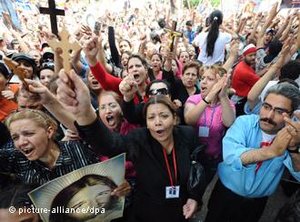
column 256, row 148
column 189, row 33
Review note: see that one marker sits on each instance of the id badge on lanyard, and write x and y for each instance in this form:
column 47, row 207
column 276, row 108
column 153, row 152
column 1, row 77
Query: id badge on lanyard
column 171, row 191
column 204, row 130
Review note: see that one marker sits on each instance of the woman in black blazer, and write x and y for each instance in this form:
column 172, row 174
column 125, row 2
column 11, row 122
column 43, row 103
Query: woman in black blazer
column 160, row 153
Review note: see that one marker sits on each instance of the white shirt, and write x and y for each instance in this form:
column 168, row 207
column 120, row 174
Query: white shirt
column 219, row 50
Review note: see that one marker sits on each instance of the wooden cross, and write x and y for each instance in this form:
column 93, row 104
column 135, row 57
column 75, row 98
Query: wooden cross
column 66, row 47
column 53, row 12
column 173, row 34
column 17, row 70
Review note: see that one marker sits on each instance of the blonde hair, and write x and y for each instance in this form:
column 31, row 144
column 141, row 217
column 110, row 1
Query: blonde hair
column 217, row 69
column 40, row 118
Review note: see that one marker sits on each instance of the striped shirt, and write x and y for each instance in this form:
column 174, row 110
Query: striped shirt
column 73, row 155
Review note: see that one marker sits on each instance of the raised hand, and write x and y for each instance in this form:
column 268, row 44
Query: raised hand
column 293, row 128
column 37, row 87
column 225, row 86
column 273, row 12
column 91, row 48
column 281, row 142
column 128, row 87
column 216, row 89
column 86, row 30
column 75, row 96
column 282, row 57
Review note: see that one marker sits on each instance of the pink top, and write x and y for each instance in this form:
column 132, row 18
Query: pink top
column 159, row 76
column 179, row 69
column 211, row 118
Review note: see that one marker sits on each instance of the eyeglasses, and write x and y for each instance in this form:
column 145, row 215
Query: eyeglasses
column 277, row 110
column 110, row 106
column 161, row 91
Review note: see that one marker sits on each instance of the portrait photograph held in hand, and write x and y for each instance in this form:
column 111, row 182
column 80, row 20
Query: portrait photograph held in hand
column 83, row 195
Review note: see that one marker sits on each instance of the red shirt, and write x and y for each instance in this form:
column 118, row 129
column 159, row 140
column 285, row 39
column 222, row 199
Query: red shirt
column 244, row 77
column 110, row 82
column 8, row 106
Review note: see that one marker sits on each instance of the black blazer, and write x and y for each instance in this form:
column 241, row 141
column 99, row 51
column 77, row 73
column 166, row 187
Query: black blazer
column 146, row 153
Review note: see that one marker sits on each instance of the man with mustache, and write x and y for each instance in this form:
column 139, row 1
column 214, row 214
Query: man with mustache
column 256, row 149
column 244, row 77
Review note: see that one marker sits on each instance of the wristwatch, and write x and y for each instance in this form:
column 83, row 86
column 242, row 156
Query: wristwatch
column 297, row 150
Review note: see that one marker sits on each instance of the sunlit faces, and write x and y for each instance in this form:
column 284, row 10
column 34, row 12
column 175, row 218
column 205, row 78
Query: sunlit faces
column 2, row 82
column 28, row 68
column 189, row 77
column 150, row 49
column 163, row 49
column 124, row 59
column 137, row 70
column 124, row 46
column 110, row 112
column 174, row 66
column 46, row 76
column 268, row 38
column 96, row 196
column 180, row 47
column 184, row 57
column 208, row 80
column 124, row 73
column 156, row 63
column 31, row 139
column 93, row 83
column 271, row 118
column 36, row 55
column 192, row 53
column 250, row 59
column 160, row 122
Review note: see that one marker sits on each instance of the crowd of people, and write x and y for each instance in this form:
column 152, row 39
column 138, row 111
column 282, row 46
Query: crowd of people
column 227, row 90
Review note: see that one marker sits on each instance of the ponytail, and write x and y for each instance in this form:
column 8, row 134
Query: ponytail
column 215, row 20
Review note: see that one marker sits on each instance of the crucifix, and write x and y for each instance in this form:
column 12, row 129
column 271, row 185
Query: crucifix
column 173, row 34
column 53, row 12
column 66, row 47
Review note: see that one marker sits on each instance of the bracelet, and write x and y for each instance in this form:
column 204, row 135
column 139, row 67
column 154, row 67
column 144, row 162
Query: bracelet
column 204, row 100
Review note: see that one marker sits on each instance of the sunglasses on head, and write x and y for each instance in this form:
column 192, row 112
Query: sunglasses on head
column 161, row 91
column 48, row 64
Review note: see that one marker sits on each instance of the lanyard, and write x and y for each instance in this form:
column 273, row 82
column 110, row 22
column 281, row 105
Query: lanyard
column 212, row 117
column 168, row 166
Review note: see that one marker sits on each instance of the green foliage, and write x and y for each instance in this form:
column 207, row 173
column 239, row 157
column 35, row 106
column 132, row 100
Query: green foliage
column 194, row 3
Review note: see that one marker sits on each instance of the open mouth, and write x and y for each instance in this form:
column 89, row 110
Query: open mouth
column 110, row 120
column 136, row 76
column 27, row 152
column 159, row 132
